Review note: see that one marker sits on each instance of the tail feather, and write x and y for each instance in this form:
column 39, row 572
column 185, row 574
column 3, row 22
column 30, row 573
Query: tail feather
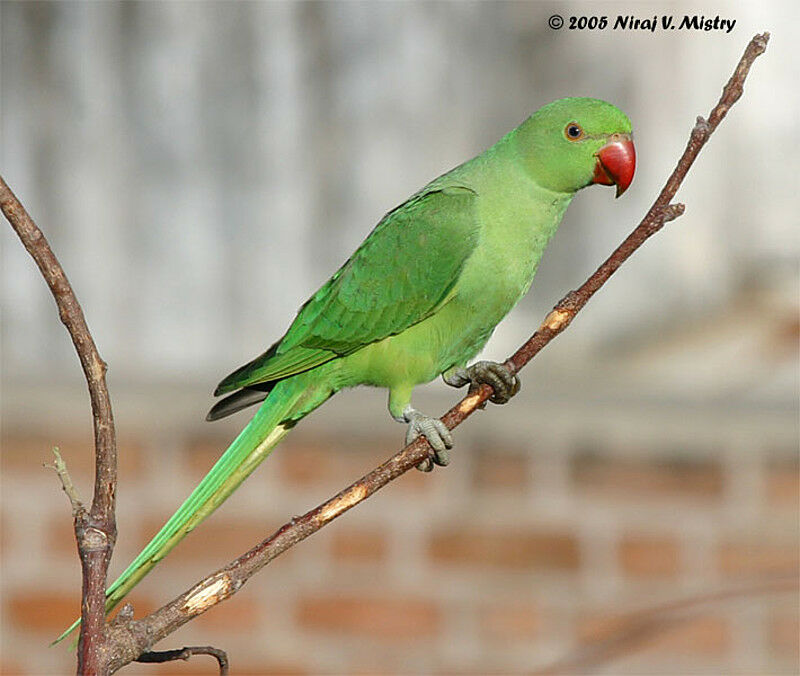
column 255, row 442
column 239, row 400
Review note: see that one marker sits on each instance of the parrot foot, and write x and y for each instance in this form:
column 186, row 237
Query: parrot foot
column 504, row 383
column 437, row 434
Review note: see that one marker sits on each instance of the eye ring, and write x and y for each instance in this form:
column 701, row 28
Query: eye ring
column 573, row 132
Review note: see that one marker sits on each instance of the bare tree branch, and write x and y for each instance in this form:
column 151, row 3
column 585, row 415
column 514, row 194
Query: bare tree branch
column 660, row 213
column 95, row 530
column 60, row 468
column 185, row 654
column 130, row 639
column 637, row 628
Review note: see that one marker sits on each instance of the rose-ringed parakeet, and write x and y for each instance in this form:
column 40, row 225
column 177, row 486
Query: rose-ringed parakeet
column 418, row 299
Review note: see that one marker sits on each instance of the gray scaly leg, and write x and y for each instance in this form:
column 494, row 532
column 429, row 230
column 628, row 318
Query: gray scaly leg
column 435, row 431
column 504, row 383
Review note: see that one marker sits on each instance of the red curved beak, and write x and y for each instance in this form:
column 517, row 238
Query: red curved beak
column 616, row 163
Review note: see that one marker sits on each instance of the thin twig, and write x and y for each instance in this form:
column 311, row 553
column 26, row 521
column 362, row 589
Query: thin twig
column 639, row 627
column 161, row 656
column 661, row 212
column 60, row 468
column 95, row 530
column 137, row 636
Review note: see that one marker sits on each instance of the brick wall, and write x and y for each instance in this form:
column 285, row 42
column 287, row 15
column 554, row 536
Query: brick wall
column 538, row 545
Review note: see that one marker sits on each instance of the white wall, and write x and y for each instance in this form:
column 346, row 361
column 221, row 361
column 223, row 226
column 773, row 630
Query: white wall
column 201, row 168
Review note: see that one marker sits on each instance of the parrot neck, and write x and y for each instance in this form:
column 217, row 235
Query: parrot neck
column 530, row 149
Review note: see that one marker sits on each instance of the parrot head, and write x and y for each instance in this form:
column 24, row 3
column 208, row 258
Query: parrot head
column 575, row 142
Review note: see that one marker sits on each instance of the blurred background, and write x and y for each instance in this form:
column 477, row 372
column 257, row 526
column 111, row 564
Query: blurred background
column 201, row 168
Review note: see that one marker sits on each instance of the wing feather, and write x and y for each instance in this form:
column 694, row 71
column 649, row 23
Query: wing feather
column 402, row 273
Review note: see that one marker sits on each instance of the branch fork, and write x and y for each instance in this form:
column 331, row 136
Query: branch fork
column 60, row 468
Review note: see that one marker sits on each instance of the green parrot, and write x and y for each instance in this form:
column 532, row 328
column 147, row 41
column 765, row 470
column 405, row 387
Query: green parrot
column 418, row 299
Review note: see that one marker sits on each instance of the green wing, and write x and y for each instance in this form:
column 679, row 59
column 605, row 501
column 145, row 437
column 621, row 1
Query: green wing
column 401, row 274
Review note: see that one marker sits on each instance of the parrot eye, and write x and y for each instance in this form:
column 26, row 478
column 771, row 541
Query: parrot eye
column 573, row 131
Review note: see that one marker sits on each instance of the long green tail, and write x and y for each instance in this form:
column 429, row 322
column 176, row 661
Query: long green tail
column 292, row 399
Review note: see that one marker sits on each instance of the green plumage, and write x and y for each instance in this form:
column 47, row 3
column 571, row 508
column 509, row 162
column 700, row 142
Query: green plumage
column 419, row 297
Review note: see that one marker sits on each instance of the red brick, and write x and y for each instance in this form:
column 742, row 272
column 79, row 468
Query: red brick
column 42, row 612
column 353, row 458
column 234, row 615
column 61, row 536
column 702, row 636
column 506, row 549
column 596, row 627
column 783, row 485
column 202, row 664
column 333, row 463
column 261, row 669
column 307, row 465
column 215, row 541
column 389, row 618
column 197, row 665
column 495, row 471
column 359, row 545
column 51, row 613
column 27, row 452
column 781, row 342
column 7, row 540
column 705, row 636
column 310, row 463
column 783, row 632
column 649, row 556
column 757, row 558
column 481, row 668
column 632, row 479
column 202, row 452
column 414, row 482
column 510, row 622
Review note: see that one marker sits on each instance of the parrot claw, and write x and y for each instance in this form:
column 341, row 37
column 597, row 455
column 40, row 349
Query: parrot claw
column 437, row 434
column 499, row 376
